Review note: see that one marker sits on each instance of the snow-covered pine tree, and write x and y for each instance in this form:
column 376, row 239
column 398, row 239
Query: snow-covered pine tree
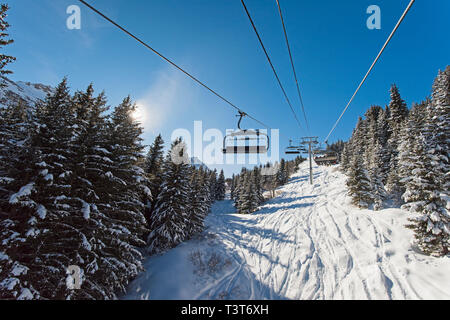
column 356, row 144
column 360, row 139
column 233, row 187
column 212, row 184
column 422, row 196
column 358, row 183
column 42, row 201
column 122, row 207
column 257, row 185
column 88, row 176
column 152, row 168
column 375, row 163
column 4, row 25
column 239, row 190
column 430, row 196
column 220, row 187
column 196, row 205
column 345, row 158
column 372, row 137
column 394, row 186
column 247, row 196
column 170, row 219
column 282, row 174
column 204, row 196
column 438, row 131
column 412, row 128
column 14, row 136
column 15, row 159
column 398, row 114
column 383, row 135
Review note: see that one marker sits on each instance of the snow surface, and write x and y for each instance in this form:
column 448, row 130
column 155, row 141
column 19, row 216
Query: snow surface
column 308, row 243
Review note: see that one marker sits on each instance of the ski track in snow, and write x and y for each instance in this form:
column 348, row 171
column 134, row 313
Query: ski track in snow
column 307, row 243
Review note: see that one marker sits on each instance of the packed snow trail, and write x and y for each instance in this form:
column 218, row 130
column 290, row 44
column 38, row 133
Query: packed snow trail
column 307, row 243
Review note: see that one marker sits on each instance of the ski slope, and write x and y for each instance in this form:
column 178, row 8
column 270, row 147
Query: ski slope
column 308, row 243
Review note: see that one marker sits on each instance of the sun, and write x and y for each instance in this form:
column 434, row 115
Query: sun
column 139, row 114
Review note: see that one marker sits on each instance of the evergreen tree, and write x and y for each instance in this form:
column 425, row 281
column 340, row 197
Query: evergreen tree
column 121, row 207
column 220, row 189
column 282, row 174
column 427, row 188
column 14, row 137
column 86, row 174
column 196, row 205
column 233, row 187
column 431, row 225
column 345, row 158
column 153, row 171
column 257, row 186
column 412, row 128
column 398, row 114
column 4, row 25
column 372, row 137
column 42, row 198
column 247, row 196
column 15, row 158
column 212, row 185
column 438, row 130
column 383, row 135
column 358, row 183
column 241, row 181
column 204, row 191
column 170, row 221
column 378, row 192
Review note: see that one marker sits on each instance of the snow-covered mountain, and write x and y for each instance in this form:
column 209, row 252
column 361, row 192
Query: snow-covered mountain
column 197, row 163
column 26, row 92
column 307, row 243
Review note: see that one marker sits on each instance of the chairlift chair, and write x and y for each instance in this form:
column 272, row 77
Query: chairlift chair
column 292, row 149
column 230, row 141
column 319, row 151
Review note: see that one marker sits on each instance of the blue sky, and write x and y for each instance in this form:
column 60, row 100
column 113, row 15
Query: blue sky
column 213, row 40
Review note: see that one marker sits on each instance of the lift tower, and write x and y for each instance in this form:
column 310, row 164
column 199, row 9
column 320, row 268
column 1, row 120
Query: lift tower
column 310, row 141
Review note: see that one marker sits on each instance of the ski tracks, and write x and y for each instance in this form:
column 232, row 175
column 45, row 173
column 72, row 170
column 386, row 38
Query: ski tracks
column 307, row 243
column 318, row 247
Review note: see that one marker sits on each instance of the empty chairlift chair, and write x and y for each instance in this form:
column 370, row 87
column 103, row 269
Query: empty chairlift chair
column 327, row 159
column 232, row 145
column 294, row 149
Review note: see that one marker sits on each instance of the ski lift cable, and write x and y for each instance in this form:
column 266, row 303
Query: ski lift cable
column 292, row 63
column 171, row 62
column 371, row 67
column 270, row 62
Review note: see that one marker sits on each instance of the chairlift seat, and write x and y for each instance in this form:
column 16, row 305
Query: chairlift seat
column 244, row 149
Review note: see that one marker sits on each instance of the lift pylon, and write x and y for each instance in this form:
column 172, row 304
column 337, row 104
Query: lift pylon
column 310, row 142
